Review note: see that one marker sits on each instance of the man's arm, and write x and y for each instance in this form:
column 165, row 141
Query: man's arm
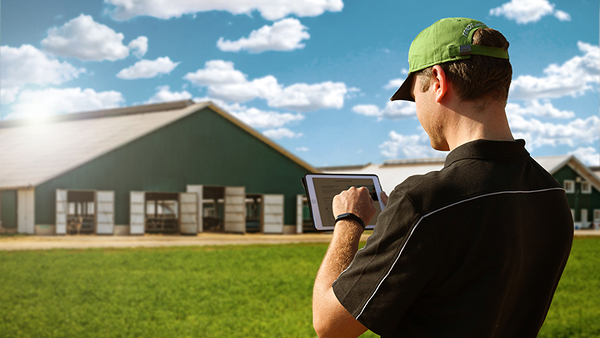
column 330, row 318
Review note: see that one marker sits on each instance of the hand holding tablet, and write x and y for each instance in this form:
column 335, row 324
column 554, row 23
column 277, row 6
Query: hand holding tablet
column 321, row 188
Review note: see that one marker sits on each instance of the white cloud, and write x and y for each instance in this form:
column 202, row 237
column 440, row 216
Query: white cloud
column 394, row 84
column 266, row 119
column 49, row 101
column 263, row 88
column 574, row 77
column 394, row 110
column 138, row 46
column 303, row 149
column 270, row 10
column 284, row 35
column 526, row 11
column 257, row 118
column 280, row 133
column 28, row 65
column 562, row 15
column 535, row 108
column 305, row 97
column 587, row 155
column 226, row 83
column 408, row 146
column 164, row 94
column 578, row 132
column 146, row 69
column 216, row 72
column 88, row 40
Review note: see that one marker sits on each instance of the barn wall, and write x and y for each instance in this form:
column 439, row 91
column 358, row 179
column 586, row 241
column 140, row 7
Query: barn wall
column 202, row 148
column 8, row 209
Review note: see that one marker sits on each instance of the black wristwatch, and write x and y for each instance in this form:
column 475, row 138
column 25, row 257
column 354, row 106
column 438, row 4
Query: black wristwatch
column 350, row 216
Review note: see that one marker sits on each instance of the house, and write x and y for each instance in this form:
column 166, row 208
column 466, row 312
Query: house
column 581, row 184
column 178, row 167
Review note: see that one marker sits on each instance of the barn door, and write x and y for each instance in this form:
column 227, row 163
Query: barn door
column 300, row 213
column 137, row 219
column 61, row 212
column 25, row 211
column 198, row 190
column 272, row 214
column 105, row 212
column 188, row 213
column 235, row 209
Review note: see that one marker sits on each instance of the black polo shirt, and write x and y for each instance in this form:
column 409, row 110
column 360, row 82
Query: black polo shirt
column 473, row 250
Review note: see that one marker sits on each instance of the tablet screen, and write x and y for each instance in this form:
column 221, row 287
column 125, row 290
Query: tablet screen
column 321, row 188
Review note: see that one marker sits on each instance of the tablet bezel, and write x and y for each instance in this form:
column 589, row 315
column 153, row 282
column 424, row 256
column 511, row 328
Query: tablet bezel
column 311, row 197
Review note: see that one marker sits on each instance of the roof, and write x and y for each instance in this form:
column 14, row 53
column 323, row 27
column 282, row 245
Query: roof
column 33, row 152
column 390, row 173
column 393, row 172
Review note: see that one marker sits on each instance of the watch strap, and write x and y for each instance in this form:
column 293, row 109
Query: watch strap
column 349, row 216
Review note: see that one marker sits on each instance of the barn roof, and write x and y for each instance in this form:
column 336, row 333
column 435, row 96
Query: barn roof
column 32, row 152
column 393, row 172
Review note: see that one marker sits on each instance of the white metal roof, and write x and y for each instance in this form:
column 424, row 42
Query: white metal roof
column 32, row 153
column 390, row 175
column 395, row 172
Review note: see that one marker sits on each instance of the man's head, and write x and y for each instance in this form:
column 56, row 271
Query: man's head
column 473, row 56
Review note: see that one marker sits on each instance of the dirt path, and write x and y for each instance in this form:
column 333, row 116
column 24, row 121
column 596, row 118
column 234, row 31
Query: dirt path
column 82, row 242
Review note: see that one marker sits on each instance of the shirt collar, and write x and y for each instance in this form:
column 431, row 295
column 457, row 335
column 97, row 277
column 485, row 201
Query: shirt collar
column 489, row 150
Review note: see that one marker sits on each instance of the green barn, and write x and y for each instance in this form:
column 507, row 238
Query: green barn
column 178, row 167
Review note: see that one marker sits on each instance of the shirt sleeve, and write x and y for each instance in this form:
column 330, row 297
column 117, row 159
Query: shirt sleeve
column 391, row 270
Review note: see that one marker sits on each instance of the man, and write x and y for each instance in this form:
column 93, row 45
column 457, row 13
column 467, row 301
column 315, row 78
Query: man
column 473, row 250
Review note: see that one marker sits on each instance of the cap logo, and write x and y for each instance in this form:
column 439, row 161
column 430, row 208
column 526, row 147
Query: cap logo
column 470, row 27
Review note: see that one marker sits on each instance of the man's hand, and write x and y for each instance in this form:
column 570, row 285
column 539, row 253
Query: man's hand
column 356, row 201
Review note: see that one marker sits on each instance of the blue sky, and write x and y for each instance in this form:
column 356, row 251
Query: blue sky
column 314, row 75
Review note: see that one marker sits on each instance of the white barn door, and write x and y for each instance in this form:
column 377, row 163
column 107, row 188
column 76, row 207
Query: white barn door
column 235, row 209
column 61, row 212
column 198, row 190
column 188, row 213
column 105, row 212
column 272, row 214
column 300, row 213
column 137, row 212
column 26, row 211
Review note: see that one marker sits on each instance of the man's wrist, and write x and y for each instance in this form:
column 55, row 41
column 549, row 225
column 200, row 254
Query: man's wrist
column 350, row 217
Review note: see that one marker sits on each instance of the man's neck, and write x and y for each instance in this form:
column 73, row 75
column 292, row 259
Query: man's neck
column 477, row 121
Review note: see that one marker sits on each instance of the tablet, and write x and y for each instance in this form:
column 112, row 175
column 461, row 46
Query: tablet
column 321, row 188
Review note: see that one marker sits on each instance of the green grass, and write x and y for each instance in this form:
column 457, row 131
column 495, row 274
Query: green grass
column 575, row 309
column 233, row 291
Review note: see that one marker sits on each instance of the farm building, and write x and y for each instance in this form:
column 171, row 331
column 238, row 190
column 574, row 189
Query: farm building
column 179, row 167
column 581, row 184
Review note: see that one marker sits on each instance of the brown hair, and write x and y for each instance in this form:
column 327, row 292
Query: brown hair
column 480, row 76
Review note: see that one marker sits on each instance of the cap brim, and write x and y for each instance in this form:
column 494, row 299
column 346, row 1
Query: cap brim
column 403, row 93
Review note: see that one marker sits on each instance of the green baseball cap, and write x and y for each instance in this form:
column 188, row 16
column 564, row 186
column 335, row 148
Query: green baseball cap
column 446, row 40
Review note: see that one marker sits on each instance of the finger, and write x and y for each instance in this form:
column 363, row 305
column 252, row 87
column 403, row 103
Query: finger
column 384, row 197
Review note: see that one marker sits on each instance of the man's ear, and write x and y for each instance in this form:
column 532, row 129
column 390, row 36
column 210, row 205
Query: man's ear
column 440, row 83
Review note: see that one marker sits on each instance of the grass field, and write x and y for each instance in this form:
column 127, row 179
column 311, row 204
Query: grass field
column 235, row 291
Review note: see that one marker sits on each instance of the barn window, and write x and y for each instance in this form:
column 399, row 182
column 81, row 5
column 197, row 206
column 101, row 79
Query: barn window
column 569, row 186
column 586, row 187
